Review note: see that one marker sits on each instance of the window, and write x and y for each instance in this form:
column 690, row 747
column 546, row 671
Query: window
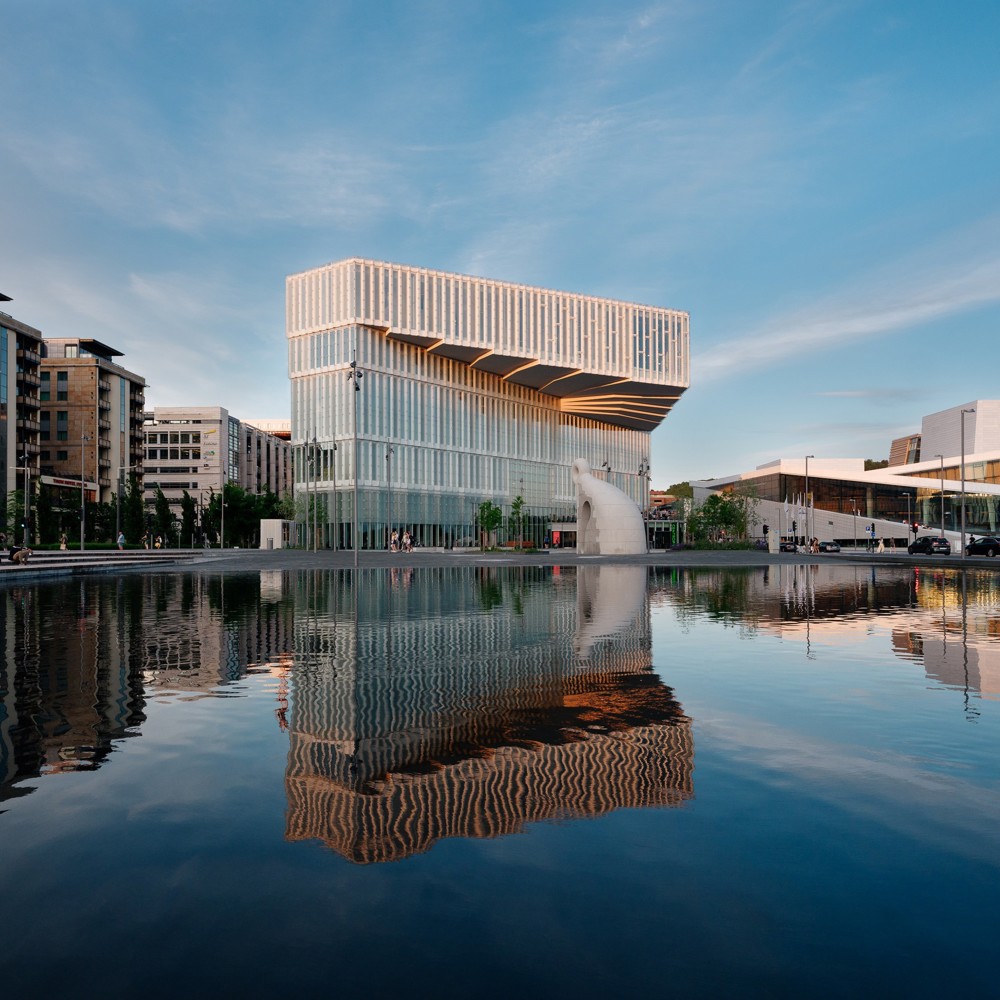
column 62, row 456
column 62, row 385
column 45, row 456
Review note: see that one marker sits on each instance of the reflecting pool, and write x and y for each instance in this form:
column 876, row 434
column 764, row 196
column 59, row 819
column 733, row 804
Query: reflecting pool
column 503, row 781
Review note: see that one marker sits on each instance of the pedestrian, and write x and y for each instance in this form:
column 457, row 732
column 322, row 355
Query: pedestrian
column 881, row 545
column 394, row 541
column 63, row 540
column 20, row 554
column 3, row 539
column 121, row 540
column 145, row 540
column 407, row 541
column 158, row 542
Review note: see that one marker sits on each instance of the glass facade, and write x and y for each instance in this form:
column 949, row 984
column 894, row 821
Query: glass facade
column 454, row 408
column 926, row 505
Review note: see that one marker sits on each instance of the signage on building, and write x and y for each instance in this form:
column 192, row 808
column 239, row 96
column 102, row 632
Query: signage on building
column 75, row 483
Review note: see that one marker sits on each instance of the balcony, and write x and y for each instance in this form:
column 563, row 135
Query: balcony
column 26, row 424
column 28, row 378
column 28, row 356
column 105, row 425
column 104, row 404
column 28, row 402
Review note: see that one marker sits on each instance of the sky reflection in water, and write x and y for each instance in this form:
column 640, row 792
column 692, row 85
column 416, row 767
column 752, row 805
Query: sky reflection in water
column 772, row 782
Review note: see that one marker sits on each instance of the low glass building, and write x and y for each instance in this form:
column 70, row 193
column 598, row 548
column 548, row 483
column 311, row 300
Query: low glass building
column 468, row 390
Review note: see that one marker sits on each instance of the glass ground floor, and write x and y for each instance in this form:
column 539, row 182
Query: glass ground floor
column 936, row 504
column 326, row 521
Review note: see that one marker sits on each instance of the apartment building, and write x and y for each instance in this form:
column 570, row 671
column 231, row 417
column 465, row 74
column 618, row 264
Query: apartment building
column 90, row 417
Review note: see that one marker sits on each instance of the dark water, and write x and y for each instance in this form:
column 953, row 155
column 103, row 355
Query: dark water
column 502, row 783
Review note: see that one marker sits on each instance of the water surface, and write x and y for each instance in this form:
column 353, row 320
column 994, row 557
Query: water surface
column 497, row 781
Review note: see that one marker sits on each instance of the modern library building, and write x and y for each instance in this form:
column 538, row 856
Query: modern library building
column 418, row 394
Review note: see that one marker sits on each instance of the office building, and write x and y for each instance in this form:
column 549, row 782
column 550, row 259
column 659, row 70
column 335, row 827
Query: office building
column 468, row 390
column 199, row 448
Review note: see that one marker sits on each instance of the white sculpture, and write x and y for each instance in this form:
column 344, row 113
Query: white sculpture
column 608, row 521
column 609, row 600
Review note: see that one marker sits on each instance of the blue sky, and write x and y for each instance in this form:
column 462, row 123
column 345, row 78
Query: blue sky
column 817, row 183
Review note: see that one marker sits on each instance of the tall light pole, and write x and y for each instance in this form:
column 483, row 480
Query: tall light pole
column 854, row 518
column 336, row 512
column 809, row 531
column 118, row 498
column 84, row 439
column 27, row 501
column 644, row 487
column 390, row 451
column 355, row 375
column 942, row 493
column 303, row 464
column 971, row 409
column 315, row 490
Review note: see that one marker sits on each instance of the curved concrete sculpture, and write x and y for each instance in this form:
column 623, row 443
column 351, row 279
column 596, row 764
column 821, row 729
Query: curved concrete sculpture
column 608, row 522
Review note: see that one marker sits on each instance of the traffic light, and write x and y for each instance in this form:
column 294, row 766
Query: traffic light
column 765, row 531
column 795, row 526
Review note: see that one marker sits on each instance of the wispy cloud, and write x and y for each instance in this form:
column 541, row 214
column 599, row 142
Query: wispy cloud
column 881, row 394
column 905, row 298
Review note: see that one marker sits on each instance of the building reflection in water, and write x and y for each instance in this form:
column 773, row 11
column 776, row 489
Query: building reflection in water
column 467, row 703
column 82, row 658
column 946, row 620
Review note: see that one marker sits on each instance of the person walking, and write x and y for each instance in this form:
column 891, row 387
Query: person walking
column 63, row 541
column 121, row 540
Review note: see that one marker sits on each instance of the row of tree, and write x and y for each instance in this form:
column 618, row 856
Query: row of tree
column 491, row 519
column 49, row 517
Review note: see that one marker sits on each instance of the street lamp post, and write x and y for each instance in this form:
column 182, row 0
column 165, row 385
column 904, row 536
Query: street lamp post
column 84, row 439
column 809, row 531
column 390, row 451
column 942, row 493
column 355, row 375
column 971, row 409
column 644, row 478
column 118, row 498
column 854, row 518
column 315, row 491
column 27, row 501
column 336, row 511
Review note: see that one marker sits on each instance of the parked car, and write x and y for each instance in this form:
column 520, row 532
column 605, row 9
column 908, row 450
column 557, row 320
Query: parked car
column 929, row 544
column 787, row 545
column 829, row 547
column 988, row 545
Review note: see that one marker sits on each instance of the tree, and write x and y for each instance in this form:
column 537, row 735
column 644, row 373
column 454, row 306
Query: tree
column 681, row 490
column 163, row 516
column 490, row 518
column 516, row 520
column 871, row 463
column 724, row 515
column 134, row 513
column 187, row 519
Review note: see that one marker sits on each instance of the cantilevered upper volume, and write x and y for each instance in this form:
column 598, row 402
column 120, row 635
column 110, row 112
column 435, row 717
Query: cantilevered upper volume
column 615, row 362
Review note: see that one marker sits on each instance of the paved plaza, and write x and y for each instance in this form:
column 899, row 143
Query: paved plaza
column 49, row 565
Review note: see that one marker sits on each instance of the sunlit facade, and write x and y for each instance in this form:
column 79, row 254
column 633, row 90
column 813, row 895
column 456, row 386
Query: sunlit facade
column 472, row 390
